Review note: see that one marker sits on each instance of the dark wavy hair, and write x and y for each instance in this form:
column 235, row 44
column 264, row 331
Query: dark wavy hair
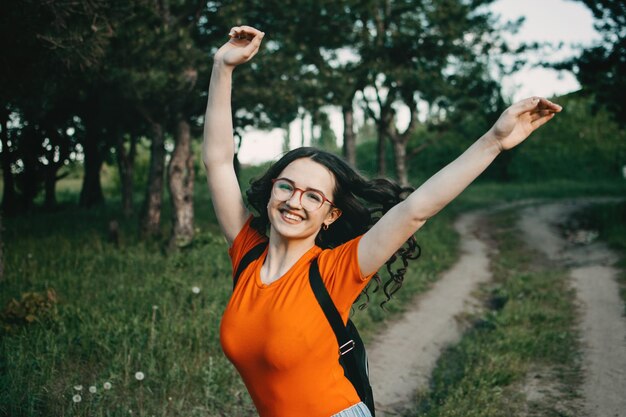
column 361, row 201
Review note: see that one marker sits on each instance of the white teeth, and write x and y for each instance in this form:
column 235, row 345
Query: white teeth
column 291, row 216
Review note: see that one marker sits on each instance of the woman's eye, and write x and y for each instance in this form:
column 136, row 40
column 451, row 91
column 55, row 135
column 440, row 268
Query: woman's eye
column 314, row 197
column 285, row 187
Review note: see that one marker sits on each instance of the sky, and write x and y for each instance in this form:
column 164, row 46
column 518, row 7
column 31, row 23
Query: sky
column 556, row 21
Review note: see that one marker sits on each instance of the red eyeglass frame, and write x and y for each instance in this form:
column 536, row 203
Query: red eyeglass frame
column 303, row 191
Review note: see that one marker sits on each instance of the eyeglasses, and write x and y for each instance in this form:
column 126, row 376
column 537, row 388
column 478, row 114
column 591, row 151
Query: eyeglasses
column 310, row 200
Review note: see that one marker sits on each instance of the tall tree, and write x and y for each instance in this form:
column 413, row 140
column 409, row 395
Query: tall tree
column 294, row 75
column 181, row 181
column 601, row 69
column 9, row 196
column 411, row 49
column 45, row 45
column 1, row 249
column 155, row 60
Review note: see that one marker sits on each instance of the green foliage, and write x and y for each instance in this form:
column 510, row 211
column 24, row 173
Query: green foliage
column 326, row 139
column 601, row 68
column 577, row 144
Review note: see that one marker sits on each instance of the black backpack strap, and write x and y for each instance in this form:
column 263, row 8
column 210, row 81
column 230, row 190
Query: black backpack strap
column 346, row 344
column 250, row 256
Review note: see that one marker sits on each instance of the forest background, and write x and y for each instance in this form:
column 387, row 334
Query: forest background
column 102, row 112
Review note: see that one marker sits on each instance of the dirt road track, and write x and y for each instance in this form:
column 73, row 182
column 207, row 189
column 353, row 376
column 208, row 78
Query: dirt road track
column 603, row 326
column 404, row 355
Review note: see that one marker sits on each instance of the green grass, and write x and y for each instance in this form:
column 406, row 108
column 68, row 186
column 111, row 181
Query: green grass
column 105, row 326
column 528, row 332
column 487, row 194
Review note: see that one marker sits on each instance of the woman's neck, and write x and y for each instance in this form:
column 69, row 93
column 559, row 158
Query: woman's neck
column 282, row 254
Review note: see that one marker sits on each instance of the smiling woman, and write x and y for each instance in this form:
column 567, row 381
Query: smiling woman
column 315, row 216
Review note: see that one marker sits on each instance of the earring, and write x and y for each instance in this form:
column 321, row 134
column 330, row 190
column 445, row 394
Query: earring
column 325, row 226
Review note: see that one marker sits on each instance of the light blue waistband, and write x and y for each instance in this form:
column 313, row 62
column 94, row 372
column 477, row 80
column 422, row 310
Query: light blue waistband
column 357, row 410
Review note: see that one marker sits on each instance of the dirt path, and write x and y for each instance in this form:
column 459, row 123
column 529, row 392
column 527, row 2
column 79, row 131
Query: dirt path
column 403, row 357
column 603, row 326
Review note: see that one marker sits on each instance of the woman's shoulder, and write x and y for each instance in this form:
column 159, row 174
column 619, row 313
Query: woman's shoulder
column 247, row 238
column 341, row 259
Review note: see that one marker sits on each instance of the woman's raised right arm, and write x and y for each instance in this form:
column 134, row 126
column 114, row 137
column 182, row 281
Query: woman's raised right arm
column 218, row 148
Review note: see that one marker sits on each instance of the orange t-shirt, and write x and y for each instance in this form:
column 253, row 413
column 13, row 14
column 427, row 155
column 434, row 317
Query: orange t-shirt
column 278, row 338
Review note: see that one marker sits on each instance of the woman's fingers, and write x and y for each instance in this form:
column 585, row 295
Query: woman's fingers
column 540, row 113
column 542, row 120
column 253, row 47
column 244, row 32
column 243, row 45
column 534, row 103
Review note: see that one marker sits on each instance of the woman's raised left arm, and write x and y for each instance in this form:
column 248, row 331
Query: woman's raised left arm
column 388, row 234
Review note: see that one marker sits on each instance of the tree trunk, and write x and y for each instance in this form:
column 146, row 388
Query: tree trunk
column 314, row 139
column 286, row 138
column 381, row 163
column 126, row 165
column 302, row 116
column 61, row 150
column 50, row 182
column 349, row 138
column 399, row 153
column 91, row 192
column 151, row 213
column 383, row 127
column 1, row 250
column 181, row 181
column 9, row 196
column 31, row 175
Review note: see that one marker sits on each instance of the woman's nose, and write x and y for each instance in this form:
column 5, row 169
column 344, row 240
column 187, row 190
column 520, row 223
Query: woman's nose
column 294, row 200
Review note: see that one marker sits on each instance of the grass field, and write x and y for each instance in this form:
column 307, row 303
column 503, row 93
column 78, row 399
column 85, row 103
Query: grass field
column 86, row 312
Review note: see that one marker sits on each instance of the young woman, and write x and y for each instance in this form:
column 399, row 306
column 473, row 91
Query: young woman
column 309, row 207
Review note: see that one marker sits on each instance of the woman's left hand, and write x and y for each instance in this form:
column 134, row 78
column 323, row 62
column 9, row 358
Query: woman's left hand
column 521, row 119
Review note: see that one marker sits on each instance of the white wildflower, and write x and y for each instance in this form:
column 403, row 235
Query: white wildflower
column 93, row 389
column 78, row 387
column 107, row 385
column 139, row 376
column 195, row 290
column 77, row 398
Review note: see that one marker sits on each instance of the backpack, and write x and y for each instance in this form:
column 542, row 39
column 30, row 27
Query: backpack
column 352, row 356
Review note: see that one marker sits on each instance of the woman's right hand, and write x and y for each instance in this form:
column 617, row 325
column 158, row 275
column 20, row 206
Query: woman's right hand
column 244, row 43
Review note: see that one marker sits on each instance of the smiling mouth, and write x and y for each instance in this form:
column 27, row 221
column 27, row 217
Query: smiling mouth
column 290, row 216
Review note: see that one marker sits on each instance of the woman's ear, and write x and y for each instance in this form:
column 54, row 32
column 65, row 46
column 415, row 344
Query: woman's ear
column 332, row 216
